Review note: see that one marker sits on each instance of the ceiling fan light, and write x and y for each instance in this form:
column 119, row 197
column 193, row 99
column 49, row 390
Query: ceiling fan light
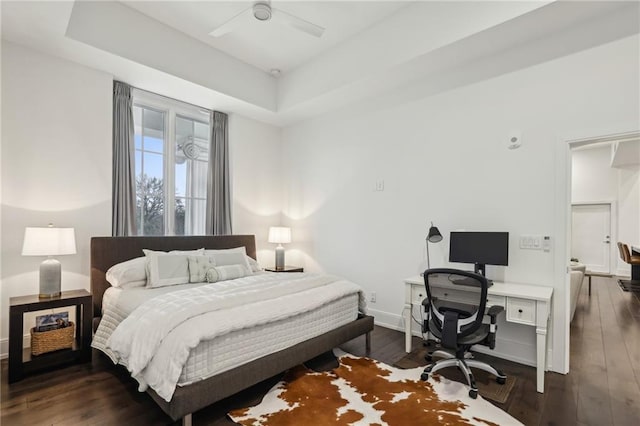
column 262, row 11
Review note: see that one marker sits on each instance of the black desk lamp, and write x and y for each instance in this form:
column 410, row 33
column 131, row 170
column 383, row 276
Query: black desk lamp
column 434, row 236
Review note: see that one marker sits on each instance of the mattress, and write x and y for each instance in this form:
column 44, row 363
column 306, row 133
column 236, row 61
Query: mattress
column 215, row 356
column 238, row 347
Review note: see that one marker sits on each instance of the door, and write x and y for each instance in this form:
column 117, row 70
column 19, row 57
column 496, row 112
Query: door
column 591, row 236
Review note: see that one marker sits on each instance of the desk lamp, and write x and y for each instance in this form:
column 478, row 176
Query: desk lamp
column 49, row 242
column 434, row 236
column 279, row 235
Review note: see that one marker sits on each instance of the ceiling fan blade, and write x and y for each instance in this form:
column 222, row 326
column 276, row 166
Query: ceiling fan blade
column 299, row 23
column 228, row 26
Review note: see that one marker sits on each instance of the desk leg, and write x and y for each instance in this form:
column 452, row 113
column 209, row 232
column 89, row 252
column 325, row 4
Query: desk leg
column 407, row 327
column 541, row 357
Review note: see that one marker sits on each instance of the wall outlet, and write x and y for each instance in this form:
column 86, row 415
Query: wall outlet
column 379, row 185
column 373, row 297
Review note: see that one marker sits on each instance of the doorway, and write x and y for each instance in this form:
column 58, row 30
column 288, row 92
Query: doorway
column 591, row 236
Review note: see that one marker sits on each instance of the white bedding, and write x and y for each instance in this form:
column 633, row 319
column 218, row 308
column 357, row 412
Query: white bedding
column 154, row 338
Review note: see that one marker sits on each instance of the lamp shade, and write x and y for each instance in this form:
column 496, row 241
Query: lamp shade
column 49, row 241
column 434, row 235
column 279, row 234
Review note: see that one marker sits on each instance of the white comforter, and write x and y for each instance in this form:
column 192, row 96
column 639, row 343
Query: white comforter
column 154, row 342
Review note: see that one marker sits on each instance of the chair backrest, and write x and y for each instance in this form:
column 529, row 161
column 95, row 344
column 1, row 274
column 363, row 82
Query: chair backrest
column 470, row 318
column 627, row 253
column 621, row 250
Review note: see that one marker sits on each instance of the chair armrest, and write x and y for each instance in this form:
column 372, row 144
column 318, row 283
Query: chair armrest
column 494, row 311
column 493, row 327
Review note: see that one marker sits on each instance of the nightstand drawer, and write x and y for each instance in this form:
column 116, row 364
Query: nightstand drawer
column 521, row 310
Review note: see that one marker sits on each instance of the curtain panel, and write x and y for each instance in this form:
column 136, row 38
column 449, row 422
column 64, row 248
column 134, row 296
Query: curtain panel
column 123, row 221
column 218, row 193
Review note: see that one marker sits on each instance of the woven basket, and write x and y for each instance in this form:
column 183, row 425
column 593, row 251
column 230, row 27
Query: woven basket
column 52, row 340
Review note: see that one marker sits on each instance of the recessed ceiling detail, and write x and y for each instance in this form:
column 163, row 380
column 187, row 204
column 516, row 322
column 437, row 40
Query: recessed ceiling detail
column 262, row 12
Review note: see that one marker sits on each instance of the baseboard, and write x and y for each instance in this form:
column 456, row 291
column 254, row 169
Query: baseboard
column 4, row 345
column 387, row 320
column 623, row 273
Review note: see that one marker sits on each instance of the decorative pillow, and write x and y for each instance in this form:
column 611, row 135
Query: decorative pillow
column 132, row 273
column 198, row 267
column 253, row 264
column 171, row 268
column 234, row 256
column 227, row 272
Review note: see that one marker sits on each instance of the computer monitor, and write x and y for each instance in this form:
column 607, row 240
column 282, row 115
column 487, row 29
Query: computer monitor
column 479, row 248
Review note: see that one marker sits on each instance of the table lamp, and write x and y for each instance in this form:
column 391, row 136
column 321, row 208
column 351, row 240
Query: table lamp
column 279, row 235
column 49, row 242
column 434, row 236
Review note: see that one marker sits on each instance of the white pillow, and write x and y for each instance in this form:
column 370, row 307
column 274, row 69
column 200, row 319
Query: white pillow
column 131, row 273
column 255, row 266
column 171, row 268
column 227, row 272
column 234, row 256
column 198, row 267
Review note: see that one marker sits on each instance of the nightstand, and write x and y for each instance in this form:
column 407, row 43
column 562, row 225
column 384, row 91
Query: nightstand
column 287, row 268
column 21, row 361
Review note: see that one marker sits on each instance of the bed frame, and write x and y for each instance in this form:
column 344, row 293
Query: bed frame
column 108, row 251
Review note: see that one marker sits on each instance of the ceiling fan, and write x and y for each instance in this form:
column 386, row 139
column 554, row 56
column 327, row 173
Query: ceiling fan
column 262, row 11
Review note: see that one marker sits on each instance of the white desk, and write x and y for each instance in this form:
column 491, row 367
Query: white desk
column 524, row 304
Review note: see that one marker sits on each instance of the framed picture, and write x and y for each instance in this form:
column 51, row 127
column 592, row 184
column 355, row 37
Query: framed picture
column 52, row 321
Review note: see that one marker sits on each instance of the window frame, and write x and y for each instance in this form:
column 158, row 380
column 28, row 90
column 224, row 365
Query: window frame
column 171, row 109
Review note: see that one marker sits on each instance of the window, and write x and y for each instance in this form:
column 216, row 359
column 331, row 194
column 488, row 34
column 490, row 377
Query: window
column 171, row 163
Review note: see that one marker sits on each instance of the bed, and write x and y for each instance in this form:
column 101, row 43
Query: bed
column 186, row 399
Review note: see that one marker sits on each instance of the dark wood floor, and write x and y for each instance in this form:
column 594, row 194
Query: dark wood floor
column 603, row 387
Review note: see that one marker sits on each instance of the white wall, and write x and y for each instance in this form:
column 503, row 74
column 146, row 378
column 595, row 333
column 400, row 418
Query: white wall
column 56, row 166
column 256, row 181
column 444, row 159
column 594, row 180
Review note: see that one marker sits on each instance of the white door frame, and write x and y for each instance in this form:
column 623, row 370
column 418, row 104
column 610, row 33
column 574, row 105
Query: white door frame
column 562, row 228
column 613, row 232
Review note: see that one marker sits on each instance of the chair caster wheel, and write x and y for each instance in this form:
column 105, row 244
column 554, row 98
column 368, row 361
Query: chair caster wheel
column 424, row 377
column 473, row 393
column 428, row 369
column 428, row 357
column 501, row 380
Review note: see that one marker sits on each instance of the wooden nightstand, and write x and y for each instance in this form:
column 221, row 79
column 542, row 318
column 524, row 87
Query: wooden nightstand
column 287, row 268
column 21, row 361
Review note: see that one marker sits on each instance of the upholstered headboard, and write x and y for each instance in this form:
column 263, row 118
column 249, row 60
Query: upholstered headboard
column 108, row 251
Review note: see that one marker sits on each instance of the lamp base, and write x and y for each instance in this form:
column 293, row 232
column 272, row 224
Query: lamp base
column 279, row 258
column 50, row 272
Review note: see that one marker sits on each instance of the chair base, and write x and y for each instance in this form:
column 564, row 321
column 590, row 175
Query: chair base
column 465, row 366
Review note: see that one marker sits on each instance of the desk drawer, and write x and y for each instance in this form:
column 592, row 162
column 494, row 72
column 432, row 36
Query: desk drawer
column 418, row 293
column 496, row 301
column 522, row 311
column 467, row 297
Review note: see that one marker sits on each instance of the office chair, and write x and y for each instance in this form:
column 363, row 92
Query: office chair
column 626, row 255
column 459, row 326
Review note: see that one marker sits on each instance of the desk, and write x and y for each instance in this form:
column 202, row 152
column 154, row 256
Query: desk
column 524, row 304
column 635, row 269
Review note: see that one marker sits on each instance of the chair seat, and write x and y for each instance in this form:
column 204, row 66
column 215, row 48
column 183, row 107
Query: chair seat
column 474, row 338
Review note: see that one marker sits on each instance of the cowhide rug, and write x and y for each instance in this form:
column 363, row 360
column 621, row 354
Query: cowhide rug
column 362, row 391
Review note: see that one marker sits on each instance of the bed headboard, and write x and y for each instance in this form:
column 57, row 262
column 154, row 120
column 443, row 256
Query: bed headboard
column 108, row 251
